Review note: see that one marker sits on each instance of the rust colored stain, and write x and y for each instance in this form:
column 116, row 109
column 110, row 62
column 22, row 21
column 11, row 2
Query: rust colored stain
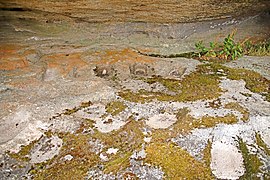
column 24, row 83
column 64, row 63
column 11, row 58
column 29, row 51
column 124, row 55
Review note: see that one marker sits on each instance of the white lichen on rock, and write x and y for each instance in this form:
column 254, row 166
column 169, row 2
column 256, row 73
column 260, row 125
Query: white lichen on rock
column 161, row 121
column 227, row 161
column 46, row 149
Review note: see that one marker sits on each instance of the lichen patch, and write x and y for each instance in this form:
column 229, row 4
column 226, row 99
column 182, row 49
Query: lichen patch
column 226, row 161
column 109, row 124
column 161, row 121
column 46, row 149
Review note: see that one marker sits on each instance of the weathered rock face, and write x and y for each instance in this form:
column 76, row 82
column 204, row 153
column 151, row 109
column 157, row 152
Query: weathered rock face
column 161, row 11
column 81, row 100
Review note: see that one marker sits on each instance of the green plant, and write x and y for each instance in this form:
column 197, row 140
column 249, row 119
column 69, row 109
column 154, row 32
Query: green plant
column 201, row 48
column 228, row 50
column 257, row 49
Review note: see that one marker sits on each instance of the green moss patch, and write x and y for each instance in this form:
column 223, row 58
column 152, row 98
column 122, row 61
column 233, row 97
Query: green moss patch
column 202, row 84
column 127, row 139
column 115, row 107
column 186, row 123
column 23, row 154
column 238, row 107
column 251, row 162
column 175, row 162
column 74, row 110
column 195, row 86
column 76, row 145
column 262, row 144
column 207, row 154
column 170, row 84
column 254, row 81
column 119, row 162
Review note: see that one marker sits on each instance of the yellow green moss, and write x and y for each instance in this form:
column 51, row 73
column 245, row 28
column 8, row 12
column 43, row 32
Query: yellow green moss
column 254, row 81
column 186, row 123
column 170, row 84
column 162, row 135
column 24, row 152
column 74, row 110
column 208, row 121
column 127, row 139
column 200, row 85
column 76, row 145
column 115, row 107
column 251, row 162
column 238, row 107
column 195, row 86
column 175, row 162
column 120, row 162
column 262, row 144
column 207, row 154
column 215, row 103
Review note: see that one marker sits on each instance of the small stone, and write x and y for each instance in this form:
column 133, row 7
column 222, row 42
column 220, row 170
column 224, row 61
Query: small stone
column 68, row 157
column 104, row 72
column 112, row 151
column 103, row 157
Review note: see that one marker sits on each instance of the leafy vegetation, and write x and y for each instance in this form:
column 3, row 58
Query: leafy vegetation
column 229, row 50
column 257, row 49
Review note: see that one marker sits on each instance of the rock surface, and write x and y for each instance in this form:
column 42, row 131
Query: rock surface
column 79, row 100
column 133, row 11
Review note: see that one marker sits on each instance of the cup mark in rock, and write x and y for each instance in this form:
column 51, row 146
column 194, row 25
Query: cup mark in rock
column 104, row 71
column 139, row 69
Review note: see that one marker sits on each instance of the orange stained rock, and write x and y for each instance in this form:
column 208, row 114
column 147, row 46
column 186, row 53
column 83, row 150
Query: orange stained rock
column 11, row 58
column 124, row 55
column 24, row 83
column 64, row 63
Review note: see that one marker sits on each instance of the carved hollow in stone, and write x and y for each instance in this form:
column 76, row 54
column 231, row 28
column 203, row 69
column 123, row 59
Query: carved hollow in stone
column 139, row 69
column 104, row 71
column 178, row 72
